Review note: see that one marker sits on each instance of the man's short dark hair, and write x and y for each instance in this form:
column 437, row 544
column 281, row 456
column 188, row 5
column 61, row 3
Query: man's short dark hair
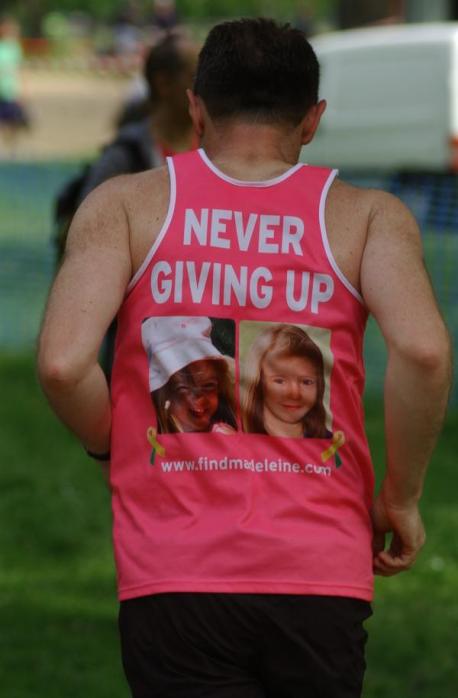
column 256, row 69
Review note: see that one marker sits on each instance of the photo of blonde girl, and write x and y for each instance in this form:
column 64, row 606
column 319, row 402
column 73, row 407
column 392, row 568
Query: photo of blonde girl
column 190, row 380
column 282, row 385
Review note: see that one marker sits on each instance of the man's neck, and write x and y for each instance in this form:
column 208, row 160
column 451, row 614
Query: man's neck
column 252, row 151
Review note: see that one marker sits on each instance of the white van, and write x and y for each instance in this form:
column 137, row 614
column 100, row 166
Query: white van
column 392, row 96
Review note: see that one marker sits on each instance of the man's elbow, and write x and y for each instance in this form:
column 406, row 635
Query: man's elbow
column 432, row 354
column 56, row 374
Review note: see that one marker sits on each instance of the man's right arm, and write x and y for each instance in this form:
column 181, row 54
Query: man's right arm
column 397, row 291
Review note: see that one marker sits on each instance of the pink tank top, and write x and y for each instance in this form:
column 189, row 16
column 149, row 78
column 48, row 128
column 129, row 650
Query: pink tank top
column 239, row 458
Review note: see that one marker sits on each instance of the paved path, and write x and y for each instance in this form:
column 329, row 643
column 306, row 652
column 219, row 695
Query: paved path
column 72, row 113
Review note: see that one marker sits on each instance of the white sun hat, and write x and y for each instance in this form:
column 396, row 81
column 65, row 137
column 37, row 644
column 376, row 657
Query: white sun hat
column 171, row 343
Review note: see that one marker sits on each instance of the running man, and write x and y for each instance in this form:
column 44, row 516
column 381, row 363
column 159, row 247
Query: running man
column 245, row 561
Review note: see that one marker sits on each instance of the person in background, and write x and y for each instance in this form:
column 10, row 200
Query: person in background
column 164, row 15
column 304, row 18
column 13, row 116
column 150, row 129
column 160, row 126
column 126, row 32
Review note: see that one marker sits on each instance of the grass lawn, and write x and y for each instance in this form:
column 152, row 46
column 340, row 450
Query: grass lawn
column 58, row 636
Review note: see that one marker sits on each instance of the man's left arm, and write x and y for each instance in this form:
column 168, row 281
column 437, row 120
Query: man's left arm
column 85, row 297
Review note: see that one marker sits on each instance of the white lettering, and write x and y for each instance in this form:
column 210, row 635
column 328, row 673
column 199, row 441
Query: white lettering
column 193, row 225
column 234, row 284
column 197, row 285
column 217, row 227
column 312, row 469
column 223, row 236
column 236, row 464
column 216, row 283
column 267, row 232
column 300, row 303
column 262, row 297
column 293, row 232
column 178, row 293
column 322, row 290
column 161, row 291
column 244, row 235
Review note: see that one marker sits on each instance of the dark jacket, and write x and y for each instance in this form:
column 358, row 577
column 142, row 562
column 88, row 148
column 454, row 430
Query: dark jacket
column 120, row 157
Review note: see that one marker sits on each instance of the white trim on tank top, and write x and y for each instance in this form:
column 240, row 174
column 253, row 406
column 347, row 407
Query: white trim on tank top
column 248, row 183
column 324, row 236
column 165, row 226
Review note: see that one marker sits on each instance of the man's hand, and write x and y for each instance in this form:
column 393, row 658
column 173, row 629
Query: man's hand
column 408, row 536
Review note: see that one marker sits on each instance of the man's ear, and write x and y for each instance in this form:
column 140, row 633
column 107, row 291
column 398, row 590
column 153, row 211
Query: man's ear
column 196, row 113
column 312, row 121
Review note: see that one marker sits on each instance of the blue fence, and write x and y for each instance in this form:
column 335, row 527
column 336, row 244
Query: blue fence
column 27, row 191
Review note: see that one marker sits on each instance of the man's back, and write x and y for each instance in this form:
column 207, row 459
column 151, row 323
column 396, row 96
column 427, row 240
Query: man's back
column 253, row 257
column 372, row 236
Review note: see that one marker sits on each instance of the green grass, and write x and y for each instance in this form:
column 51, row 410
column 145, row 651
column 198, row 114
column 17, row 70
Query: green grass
column 58, row 636
column 412, row 648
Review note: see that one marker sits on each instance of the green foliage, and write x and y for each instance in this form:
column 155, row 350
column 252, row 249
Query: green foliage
column 202, row 9
column 57, row 596
column 31, row 11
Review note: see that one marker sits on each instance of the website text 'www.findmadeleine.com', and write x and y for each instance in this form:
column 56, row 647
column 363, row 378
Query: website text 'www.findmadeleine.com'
column 267, row 465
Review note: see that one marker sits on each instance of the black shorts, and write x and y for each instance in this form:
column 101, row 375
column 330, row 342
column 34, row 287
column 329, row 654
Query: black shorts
column 191, row 645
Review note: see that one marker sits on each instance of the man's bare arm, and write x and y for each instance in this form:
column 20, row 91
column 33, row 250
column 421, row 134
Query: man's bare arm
column 84, row 299
column 397, row 291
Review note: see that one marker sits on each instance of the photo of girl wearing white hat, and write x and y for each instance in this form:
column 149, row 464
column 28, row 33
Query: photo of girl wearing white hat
column 190, row 380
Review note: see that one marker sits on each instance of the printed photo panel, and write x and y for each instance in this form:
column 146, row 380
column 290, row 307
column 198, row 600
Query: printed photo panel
column 285, row 374
column 191, row 373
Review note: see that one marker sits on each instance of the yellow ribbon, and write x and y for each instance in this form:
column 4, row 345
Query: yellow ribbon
column 151, row 435
column 338, row 440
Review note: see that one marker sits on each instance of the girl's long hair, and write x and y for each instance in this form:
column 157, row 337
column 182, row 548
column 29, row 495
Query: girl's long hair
column 280, row 341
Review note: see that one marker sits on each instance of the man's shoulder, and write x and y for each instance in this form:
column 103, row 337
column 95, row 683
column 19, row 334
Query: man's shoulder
column 357, row 215
column 144, row 198
column 132, row 189
column 366, row 203
column 367, row 195
column 132, row 205
column 144, row 191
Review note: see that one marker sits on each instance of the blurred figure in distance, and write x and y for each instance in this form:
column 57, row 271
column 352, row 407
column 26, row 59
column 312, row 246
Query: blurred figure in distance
column 13, row 116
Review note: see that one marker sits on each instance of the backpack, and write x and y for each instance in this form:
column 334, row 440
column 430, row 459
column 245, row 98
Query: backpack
column 69, row 197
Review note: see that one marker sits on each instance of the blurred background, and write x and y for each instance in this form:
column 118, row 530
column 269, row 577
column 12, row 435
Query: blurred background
column 70, row 70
